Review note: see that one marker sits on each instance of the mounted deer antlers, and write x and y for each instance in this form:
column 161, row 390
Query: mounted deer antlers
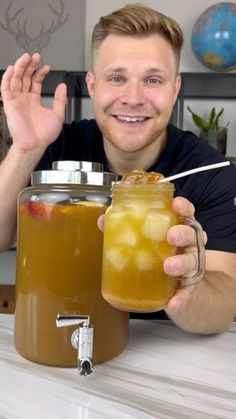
column 26, row 42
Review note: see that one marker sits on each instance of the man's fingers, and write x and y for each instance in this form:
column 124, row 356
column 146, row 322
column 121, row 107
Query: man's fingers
column 178, row 301
column 179, row 265
column 100, row 222
column 181, row 235
column 29, row 71
column 35, row 80
column 19, row 69
column 24, row 68
column 6, row 83
column 23, row 76
column 60, row 100
column 183, row 207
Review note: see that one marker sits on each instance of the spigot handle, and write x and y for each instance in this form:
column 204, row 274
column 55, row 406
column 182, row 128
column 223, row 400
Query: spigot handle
column 81, row 339
column 85, row 350
column 72, row 319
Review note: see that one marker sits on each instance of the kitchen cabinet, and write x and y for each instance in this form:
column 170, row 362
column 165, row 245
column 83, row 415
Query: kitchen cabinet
column 7, row 299
column 7, row 281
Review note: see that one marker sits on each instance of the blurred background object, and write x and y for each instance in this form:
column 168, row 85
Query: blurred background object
column 214, row 37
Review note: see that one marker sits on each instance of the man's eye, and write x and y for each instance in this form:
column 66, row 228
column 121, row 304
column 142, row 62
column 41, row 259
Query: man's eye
column 153, row 80
column 116, row 79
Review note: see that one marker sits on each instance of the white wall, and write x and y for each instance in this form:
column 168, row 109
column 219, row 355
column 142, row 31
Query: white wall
column 185, row 12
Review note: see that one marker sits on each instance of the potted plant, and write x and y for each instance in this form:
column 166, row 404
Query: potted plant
column 210, row 130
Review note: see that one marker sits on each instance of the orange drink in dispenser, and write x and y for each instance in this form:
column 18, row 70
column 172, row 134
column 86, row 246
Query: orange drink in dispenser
column 59, row 262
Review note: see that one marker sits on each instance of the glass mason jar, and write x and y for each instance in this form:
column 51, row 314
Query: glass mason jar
column 135, row 247
column 59, row 261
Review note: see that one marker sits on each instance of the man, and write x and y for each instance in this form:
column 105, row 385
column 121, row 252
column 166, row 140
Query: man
column 133, row 84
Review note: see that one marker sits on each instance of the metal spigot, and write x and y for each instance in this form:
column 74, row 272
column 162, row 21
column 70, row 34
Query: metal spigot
column 81, row 339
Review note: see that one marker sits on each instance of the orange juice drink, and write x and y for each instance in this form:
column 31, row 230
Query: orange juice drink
column 135, row 245
column 59, row 260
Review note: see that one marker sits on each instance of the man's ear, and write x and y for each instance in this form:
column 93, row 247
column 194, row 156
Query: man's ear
column 177, row 87
column 90, row 83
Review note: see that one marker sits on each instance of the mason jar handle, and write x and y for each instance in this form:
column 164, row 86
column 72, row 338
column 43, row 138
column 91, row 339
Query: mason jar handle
column 187, row 280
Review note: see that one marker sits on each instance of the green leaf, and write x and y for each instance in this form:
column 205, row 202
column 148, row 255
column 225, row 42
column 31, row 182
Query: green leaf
column 198, row 120
column 212, row 122
column 217, row 118
column 211, row 117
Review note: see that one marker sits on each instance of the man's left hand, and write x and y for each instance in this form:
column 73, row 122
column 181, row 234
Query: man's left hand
column 183, row 264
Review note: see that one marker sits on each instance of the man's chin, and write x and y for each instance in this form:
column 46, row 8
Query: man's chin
column 128, row 147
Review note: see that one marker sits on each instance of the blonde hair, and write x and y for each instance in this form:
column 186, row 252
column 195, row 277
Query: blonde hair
column 138, row 20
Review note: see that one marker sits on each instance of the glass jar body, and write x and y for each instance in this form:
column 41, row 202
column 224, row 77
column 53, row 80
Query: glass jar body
column 59, row 258
column 135, row 247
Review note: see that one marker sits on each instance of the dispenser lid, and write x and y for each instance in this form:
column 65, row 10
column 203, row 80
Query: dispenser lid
column 62, row 177
column 74, row 173
column 86, row 166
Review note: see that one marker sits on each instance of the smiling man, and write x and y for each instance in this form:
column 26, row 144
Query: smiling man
column 134, row 86
column 133, row 83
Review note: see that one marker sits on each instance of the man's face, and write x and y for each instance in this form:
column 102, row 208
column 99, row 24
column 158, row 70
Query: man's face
column 133, row 88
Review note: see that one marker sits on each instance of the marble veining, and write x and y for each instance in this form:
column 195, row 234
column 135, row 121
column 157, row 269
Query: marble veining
column 163, row 373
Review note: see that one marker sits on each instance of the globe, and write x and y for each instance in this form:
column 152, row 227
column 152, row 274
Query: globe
column 214, row 37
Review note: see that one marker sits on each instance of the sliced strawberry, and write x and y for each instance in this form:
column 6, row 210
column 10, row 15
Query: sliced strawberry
column 44, row 212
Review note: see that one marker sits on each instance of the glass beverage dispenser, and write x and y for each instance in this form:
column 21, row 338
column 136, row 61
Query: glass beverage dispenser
column 59, row 262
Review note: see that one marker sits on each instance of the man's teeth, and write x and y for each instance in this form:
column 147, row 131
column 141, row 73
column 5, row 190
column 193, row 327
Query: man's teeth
column 131, row 118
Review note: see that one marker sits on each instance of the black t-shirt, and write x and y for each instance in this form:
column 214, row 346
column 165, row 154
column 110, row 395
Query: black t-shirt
column 213, row 193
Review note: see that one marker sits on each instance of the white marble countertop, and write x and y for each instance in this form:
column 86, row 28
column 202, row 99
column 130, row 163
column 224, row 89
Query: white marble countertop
column 163, row 373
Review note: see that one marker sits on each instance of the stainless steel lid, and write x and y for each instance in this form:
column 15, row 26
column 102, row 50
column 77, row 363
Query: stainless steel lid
column 69, row 177
column 86, row 166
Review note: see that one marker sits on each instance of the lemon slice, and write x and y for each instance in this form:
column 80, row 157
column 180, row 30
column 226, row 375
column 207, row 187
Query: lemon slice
column 71, row 209
column 89, row 203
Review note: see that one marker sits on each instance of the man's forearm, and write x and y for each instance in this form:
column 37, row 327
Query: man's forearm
column 15, row 173
column 210, row 306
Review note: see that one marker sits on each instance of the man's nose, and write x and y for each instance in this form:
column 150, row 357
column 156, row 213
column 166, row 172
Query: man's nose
column 133, row 94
